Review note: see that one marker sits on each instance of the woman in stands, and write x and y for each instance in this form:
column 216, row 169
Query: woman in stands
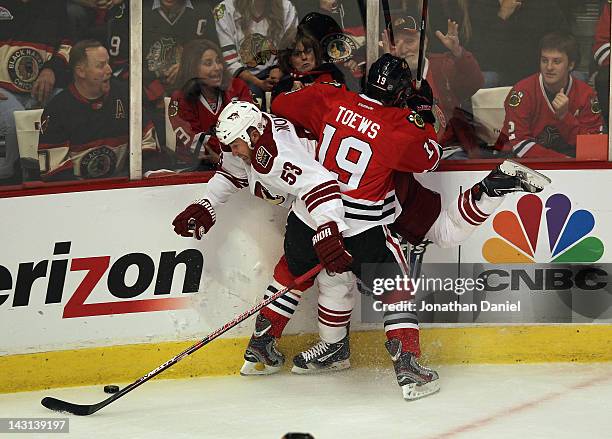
column 301, row 64
column 205, row 89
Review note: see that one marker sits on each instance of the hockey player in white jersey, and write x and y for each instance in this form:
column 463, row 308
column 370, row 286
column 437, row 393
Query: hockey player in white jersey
column 276, row 164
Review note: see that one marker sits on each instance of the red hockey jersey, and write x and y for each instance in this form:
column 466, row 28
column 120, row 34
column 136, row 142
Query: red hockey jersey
column 190, row 119
column 362, row 143
column 529, row 114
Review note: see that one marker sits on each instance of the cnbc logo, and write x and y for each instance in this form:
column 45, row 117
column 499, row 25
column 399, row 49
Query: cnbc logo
column 533, row 234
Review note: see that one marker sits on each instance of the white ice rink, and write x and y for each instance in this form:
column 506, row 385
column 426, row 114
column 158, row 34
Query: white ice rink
column 492, row 402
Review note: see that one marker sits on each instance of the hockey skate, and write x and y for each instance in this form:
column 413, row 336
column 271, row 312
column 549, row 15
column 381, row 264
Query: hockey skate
column 415, row 380
column 261, row 356
column 511, row 177
column 323, row 357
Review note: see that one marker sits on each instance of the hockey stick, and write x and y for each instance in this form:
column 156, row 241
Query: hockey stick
column 419, row 78
column 88, row 409
column 416, row 258
column 388, row 24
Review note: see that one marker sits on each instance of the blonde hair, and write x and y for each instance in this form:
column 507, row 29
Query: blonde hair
column 274, row 13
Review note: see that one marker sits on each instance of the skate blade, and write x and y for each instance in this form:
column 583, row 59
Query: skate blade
column 249, row 368
column 531, row 177
column 338, row 365
column 416, row 391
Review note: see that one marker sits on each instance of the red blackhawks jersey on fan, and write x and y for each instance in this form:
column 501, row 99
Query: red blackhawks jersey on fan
column 601, row 47
column 362, row 143
column 529, row 112
column 283, row 172
column 190, row 119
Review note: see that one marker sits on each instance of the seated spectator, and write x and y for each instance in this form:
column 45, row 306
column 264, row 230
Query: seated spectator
column 206, row 89
column 85, row 128
column 301, row 64
column 344, row 48
column 546, row 111
column 601, row 54
column 167, row 26
column 33, row 64
column 454, row 76
column 250, row 34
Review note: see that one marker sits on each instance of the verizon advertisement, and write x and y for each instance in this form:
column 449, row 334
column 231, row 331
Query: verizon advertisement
column 105, row 267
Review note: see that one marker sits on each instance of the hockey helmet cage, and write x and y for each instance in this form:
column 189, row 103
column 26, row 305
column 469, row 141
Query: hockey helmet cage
column 236, row 119
column 389, row 80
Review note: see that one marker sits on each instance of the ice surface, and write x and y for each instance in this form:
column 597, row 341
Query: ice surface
column 516, row 401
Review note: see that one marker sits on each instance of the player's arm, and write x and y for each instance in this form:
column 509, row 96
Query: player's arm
column 199, row 217
column 290, row 169
column 412, row 146
column 305, row 107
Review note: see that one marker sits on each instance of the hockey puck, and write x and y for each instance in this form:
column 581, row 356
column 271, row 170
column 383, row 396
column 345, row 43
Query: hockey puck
column 111, row 389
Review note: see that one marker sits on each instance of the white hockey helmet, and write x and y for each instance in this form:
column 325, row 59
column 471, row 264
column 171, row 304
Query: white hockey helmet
column 235, row 120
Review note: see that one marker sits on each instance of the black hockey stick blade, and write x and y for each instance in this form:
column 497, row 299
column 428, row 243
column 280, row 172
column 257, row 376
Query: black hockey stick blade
column 87, row 409
column 58, row 405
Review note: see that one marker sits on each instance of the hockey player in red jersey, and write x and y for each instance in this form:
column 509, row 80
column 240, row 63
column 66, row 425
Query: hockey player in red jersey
column 546, row 111
column 373, row 245
column 364, row 163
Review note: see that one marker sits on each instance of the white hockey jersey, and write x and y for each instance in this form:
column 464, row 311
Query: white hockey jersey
column 258, row 49
column 283, row 171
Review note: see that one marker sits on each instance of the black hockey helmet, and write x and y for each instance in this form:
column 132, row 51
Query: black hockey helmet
column 389, row 80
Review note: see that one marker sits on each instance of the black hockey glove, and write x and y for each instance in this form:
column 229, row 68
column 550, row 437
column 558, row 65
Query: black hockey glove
column 421, row 101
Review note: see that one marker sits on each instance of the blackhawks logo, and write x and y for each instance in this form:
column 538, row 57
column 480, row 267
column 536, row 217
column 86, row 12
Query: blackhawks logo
column 256, row 50
column 515, row 98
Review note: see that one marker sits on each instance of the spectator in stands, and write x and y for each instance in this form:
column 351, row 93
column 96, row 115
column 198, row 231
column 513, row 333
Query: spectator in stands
column 250, row 34
column 505, row 36
column 85, row 128
column 206, row 88
column 33, row 64
column 454, row 76
column 301, row 64
column 547, row 110
column 344, row 47
column 88, row 18
column 439, row 12
column 167, row 26
column 601, row 54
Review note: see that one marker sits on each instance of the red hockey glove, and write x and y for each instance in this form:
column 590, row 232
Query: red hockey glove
column 329, row 246
column 195, row 220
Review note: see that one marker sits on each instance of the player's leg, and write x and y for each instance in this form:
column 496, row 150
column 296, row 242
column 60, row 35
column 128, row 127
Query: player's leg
column 261, row 356
column 382, row 252
column 335, row 303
